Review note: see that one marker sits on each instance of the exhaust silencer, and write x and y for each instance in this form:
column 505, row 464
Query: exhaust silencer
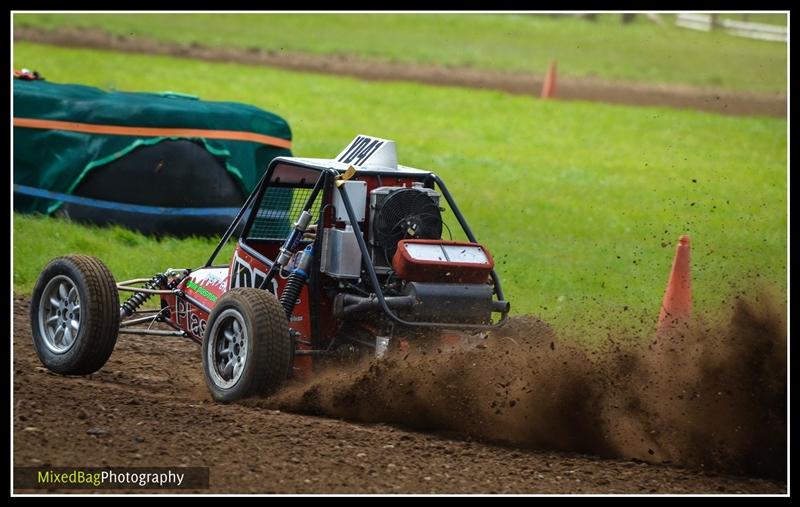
column 431, row 302
column 450, row 302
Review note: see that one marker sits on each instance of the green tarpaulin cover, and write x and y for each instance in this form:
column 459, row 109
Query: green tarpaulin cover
column 61, row 132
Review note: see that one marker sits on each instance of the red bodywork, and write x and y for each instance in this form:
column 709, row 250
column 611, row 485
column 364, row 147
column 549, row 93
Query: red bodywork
column 441, row 270
column 202, row 289
column 190, row 310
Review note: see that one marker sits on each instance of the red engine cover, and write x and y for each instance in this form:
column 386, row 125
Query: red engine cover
column 435, row 260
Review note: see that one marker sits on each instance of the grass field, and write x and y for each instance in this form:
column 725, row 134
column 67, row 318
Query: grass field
column 640, row 51
column 581, row 203
column 128, row 254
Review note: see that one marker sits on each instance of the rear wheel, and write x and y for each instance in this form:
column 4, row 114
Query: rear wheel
column 247, row 349
column 75, row 315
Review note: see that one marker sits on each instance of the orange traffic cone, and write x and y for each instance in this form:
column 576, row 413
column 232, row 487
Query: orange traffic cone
column 677, row 304
column 549, row 87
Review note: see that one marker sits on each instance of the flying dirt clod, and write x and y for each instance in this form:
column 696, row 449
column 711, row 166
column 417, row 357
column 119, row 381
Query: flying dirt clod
column 711, row 395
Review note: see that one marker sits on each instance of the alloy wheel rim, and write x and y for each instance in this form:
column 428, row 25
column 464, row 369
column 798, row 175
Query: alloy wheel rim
column 60, row 314
column 228, row 350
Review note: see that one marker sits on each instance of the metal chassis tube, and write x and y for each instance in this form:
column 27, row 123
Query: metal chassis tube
column 125, row 325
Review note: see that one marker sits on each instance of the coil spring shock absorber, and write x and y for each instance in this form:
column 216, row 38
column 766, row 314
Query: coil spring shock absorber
column 296, row 280
column 138, row 298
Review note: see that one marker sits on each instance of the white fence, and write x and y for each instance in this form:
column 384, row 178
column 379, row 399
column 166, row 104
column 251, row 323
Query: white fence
column 706, row 23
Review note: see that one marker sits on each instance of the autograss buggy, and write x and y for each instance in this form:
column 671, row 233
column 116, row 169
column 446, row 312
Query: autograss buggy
column 335, row 258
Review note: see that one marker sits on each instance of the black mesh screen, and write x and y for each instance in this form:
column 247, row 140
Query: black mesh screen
column 278, row 211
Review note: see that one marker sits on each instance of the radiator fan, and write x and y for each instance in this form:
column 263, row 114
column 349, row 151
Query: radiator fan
column 406, row 213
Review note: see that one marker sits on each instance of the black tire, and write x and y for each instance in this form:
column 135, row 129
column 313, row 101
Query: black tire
column 259, row 355
column 97, row 315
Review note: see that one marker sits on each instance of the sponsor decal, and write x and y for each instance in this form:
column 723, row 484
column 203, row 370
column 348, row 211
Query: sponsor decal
column 183, row 310
column 189, row 320
column 245, row 274
column 211, row 278
column 201, row 291
column 197, row 325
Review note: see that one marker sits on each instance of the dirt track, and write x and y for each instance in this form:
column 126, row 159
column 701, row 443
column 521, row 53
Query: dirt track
column 592, row 89
column 151, row 400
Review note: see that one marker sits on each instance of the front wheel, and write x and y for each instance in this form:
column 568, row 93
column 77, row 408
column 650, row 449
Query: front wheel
column 247, row 348
column 75, row 315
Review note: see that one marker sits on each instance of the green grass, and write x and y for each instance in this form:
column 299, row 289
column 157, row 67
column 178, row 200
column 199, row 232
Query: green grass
column 128, row 254
column 641, row 51
column 580, row 203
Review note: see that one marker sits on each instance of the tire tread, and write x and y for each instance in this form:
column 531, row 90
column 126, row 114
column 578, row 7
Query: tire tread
column 272, row 347
column 99, row 312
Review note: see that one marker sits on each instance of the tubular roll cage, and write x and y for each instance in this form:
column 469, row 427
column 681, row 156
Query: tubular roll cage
column 325, row 181
column 324, row 184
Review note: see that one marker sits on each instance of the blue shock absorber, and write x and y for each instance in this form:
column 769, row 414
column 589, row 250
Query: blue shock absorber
column 296, row 280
